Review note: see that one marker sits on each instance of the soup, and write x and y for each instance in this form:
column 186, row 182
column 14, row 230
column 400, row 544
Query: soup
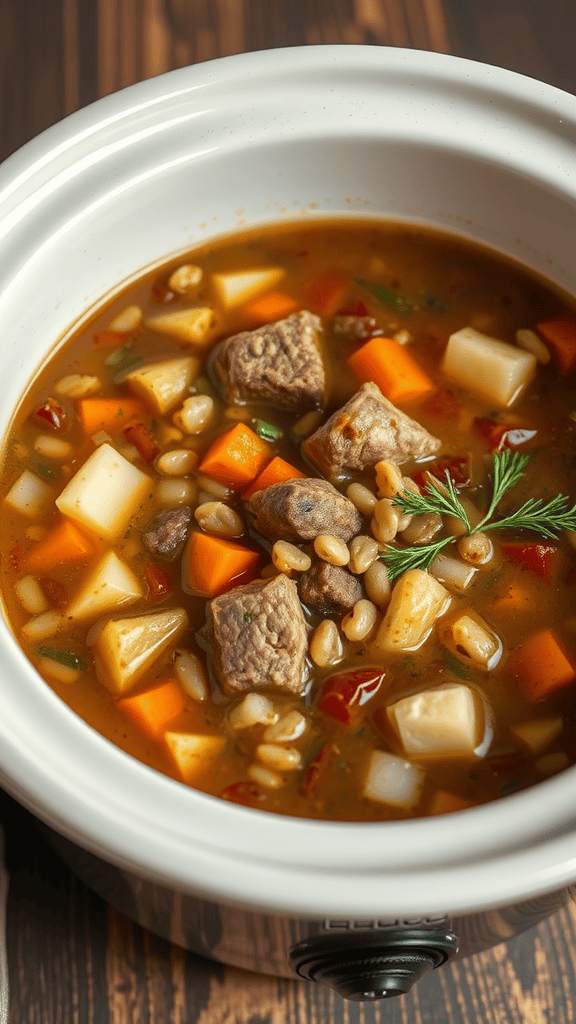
column 290, row 520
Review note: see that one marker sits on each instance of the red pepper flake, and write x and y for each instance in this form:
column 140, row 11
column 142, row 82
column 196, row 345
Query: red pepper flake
column 500, row 436
column 317, row 770
column 245, row 793
column 53, row 413
column 109, row 338
column 458, row 467
column 15, row 556
column 343, row 694
column 158, row 581
column 537, row 558
column 139, row 435
column 54, row 592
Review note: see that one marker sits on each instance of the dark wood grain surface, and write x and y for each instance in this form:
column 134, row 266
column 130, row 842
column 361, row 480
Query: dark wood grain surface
column 72, row 959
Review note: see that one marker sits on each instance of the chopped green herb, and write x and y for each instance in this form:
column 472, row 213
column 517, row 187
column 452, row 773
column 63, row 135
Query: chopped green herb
column 436, row 305
column 153, row 426
column 118, row 356
column 47, row 471
column 248, row 616
column 314, row 749
column 67, row 658
column 201, row 386
column 386, row 296
column 268, row 431
column 126, row 367
column 341, row 765
column 456, row 667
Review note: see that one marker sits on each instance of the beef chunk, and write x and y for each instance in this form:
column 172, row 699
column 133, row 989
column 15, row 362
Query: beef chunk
column 259, row 637
column 279, row 364
column 328, row 589
column 300, row 509
column 366, row 430
column 168, row 531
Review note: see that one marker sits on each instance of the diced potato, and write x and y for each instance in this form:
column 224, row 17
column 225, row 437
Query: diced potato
column 417, row 601
column 128, row 320
column 30, row 595
column 391, row 780
column 193, row 754
column 110, row 585
column 487, row 367
column 125, row 648
column 105, row 493
column 471, row 640
column 29, row 495
column 235, row 288
column 185, row 279
column 163, row 385
column 195, row 326
column 537, row 734
column 446, row 721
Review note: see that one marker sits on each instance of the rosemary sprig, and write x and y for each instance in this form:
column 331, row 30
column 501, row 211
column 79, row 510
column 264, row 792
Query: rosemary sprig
column 546, row 518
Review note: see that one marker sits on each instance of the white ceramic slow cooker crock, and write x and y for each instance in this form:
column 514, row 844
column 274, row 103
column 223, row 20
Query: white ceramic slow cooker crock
column 139, row 176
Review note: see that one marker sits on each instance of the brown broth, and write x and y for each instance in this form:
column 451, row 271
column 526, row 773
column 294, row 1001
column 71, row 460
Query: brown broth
column 452, row 284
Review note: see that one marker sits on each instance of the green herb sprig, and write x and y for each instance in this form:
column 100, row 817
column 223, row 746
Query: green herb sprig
column 546, row 518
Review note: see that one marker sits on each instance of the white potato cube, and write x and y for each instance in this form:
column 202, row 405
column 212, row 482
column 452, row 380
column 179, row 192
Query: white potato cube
column 487, row 367
column 163, row 385
column 417, row 601
column 195, row 326
column 471, row 640
column 446, row 721
column 538, row 733
column 105, row 493
column 235, row 288
column 126, row 648
column 110, row 585
column 193, row 754
column 29, row 495
column 391, row 780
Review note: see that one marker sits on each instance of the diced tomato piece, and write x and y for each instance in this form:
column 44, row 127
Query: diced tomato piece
column 499, row 436
column 358, row 308
column 116, row 338
column 245, row 793
column 458, row 467
column 317, row 770
column 343, row 694
column 538, row 558
column 162, row 292
column 53, row 413
column 139, row 435
column 324, row 294
column 158, row 581
column 54, row 592
column 442, row 403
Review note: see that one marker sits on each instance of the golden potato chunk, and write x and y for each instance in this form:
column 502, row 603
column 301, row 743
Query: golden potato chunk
column 105, row 493
column 445, row 721
column 126, row 648
column 163, row 385
column 195, row 326
column 417, row 601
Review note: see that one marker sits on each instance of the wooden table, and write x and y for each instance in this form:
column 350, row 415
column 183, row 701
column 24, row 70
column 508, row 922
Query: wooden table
column 72, row 959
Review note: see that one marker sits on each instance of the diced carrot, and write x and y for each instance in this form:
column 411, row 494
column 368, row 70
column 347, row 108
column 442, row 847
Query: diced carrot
column 108, row 413
column 537, row 558
column 392, row 368
column 154, row 709
column 514, row 600
column 213, row 565
column 444, row 802
column 64, row 543
column 139, row 435
column 236, row 458
column 541, row 666
column 271, row 307
column 105, row 338
column 560, row 333
column 324, row 294
column 275, row 472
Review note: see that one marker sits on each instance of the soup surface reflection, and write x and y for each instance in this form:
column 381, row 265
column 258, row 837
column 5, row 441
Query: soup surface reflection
column 282, row 521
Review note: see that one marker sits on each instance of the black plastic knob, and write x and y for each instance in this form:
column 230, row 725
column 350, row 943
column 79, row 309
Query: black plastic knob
column 373, row 965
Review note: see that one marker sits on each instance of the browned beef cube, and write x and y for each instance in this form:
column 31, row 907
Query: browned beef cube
column 300, row 509
column 259, row 637
column 168, row 531
column 363, row 432
column 279, row 364
column 328, row 589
